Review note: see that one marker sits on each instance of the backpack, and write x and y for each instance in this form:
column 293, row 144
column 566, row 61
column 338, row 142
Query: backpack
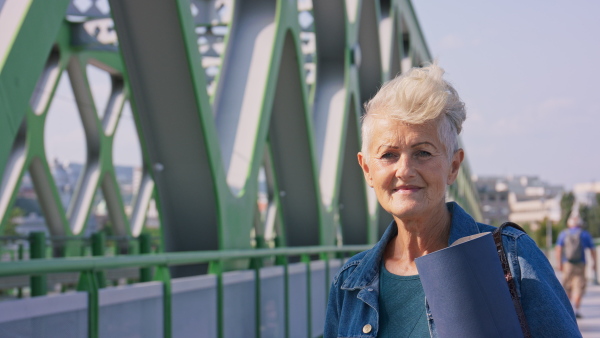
column 572, row 247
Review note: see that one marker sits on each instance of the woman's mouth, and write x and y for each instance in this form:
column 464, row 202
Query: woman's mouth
column 406, row 189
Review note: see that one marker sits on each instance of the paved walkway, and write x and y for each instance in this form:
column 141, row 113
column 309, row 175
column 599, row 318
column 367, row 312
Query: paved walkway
column 590, row 310
column 589, row 324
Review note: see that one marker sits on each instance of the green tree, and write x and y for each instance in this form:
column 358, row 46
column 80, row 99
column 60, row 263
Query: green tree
column 594, row 226
column 156, row 235
column 107, row 228
column 584, row 214
column 539, row 234
column 535, row 232
column 590, row 215
column 594, row 222
column 10, row 229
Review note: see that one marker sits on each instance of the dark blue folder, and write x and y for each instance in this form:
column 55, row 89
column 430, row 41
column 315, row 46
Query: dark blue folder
column 466, row 291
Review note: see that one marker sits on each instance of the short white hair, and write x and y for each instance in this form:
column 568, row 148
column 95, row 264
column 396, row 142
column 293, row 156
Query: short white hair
column 416, row 97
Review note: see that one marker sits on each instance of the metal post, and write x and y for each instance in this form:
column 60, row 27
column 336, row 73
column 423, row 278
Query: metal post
column 145, row 241
column 283, row 261
column 98, row 248
column 122, row 245
column 216, row 268
column 256, row 264
column 163, row 275
column 21, row 253
column 98, row 244
column 257, row 317
column 306, row 259
column 37, row 250
column 88, row 283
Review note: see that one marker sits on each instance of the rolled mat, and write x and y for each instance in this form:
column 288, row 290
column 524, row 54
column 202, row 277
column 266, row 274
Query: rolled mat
column 466, row 291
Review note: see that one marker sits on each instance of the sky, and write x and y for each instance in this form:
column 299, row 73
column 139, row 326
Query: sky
column 64, row 135
column 529, row 73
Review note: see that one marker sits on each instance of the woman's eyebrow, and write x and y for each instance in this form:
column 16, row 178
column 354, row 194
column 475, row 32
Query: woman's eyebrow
column 422, row 143
column 387, row 146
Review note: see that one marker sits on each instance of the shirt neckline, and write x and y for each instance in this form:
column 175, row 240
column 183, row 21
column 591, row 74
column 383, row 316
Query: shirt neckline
column 388, row 274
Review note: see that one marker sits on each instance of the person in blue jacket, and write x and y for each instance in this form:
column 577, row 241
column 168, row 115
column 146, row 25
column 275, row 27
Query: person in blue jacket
column 410, row 155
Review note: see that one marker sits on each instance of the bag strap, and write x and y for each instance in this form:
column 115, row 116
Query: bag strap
column 512, row 287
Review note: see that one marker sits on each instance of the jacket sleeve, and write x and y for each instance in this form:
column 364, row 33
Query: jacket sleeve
column 333, row 311
column 545, row 303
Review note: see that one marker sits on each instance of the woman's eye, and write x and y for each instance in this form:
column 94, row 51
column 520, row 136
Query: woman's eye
column 423, row 153
column 387, row 156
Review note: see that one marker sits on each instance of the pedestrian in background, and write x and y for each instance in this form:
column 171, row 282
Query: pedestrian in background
column 570, row 255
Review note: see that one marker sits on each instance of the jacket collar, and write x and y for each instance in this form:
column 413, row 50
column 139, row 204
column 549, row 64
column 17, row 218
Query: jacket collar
column 462, row 223
column 367, row 271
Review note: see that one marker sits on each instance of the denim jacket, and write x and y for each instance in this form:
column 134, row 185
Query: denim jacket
column 353, row 310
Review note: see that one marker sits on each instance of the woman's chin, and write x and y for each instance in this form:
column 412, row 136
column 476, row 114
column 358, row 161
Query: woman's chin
column 408, row 210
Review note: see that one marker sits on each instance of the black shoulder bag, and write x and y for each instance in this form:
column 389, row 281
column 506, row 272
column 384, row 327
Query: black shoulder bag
column 509, row 278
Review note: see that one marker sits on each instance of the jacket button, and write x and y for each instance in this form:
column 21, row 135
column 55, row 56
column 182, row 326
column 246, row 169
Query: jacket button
column 367, row 328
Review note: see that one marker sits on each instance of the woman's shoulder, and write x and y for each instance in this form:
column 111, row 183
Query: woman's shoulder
column 515, row 241
column 349, row 266
column 506, row 231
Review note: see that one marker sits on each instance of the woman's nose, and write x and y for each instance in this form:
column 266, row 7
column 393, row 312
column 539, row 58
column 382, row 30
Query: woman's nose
column 404, row 167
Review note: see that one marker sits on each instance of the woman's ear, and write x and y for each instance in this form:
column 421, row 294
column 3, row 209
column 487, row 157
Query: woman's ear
column 457, row 159
column 364, row 164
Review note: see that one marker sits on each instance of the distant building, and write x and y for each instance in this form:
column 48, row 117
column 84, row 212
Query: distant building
column 36, row 223
column 493, row 193
column 519, row 199
column 585, row 193
column 65, row 176
column 30, row 223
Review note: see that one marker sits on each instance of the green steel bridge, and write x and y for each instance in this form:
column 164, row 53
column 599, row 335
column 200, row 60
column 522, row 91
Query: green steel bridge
column 246, row 114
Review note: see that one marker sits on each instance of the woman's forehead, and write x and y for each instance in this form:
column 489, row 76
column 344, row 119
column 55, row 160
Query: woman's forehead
column 388, row 127
column 391, row 132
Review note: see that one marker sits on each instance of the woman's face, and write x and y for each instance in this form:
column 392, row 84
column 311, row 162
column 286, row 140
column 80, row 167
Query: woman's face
column 408, row 167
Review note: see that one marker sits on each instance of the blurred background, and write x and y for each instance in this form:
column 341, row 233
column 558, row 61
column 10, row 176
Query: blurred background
column 217, row 127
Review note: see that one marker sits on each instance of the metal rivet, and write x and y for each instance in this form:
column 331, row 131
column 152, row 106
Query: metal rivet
column 159, row 167
column 370, row 289
column 367, row 328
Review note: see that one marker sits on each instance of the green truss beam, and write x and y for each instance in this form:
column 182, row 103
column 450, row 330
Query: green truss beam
column 206, row 139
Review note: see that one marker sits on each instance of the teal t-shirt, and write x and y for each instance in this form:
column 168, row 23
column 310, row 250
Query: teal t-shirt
column 401, row 306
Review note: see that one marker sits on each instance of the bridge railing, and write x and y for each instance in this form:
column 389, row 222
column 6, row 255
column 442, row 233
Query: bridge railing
column 279, row 291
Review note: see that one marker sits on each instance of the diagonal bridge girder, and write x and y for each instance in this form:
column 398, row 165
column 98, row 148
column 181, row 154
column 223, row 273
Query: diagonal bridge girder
column 203, row 150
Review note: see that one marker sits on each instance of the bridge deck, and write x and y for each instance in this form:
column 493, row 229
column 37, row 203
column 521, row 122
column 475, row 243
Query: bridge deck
column 589, row 324
column 590, row 310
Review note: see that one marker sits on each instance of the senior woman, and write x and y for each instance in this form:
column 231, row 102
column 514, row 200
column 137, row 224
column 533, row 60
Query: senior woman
column 409, row 155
